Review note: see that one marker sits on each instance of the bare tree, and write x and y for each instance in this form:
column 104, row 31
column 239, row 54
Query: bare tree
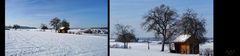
column 44, row 27
column 193, row 25
column 65, row 23
column 160, row 20
column 55, row 23
column 15, row 26
column 124, row 34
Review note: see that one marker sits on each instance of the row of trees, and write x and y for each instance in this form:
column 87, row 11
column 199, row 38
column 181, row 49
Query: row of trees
column 162, row 20
column 55, row 22
column 15, row 26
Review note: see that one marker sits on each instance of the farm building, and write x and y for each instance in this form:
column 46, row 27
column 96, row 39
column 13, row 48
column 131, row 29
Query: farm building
column 184, row 44
column 63, row 30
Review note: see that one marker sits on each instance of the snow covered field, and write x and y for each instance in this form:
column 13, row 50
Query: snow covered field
column 140, row 49
column 49, row 43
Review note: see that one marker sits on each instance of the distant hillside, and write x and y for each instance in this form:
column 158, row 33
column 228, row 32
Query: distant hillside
column 99, row 27
column 21, row 27
column 27, row 27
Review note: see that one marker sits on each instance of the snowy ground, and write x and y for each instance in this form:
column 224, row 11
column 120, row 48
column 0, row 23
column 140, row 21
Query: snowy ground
column 140, row 49
column 49, row 43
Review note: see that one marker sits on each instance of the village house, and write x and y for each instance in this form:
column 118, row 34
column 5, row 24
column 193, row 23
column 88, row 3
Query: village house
column 185, row 44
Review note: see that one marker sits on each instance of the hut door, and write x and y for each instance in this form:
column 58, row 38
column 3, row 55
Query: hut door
column 185, row 49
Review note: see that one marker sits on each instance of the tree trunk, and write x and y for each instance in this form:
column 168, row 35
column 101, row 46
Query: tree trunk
column 148, row 46
column 125, row 45
column 56, row 28
column 163, row 44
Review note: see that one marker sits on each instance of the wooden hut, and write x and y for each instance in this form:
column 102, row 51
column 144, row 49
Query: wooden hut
column 184, row 44
column 63, row 30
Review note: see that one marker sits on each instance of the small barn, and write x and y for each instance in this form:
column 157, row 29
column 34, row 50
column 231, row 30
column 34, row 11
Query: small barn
column 63, row 30
column 184, row 44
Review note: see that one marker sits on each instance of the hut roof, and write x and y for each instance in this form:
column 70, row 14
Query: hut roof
column 182, row 38
column 62, row 27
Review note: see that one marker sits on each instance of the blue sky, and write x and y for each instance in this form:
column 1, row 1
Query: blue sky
column 80, row 13
column 130, row 12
